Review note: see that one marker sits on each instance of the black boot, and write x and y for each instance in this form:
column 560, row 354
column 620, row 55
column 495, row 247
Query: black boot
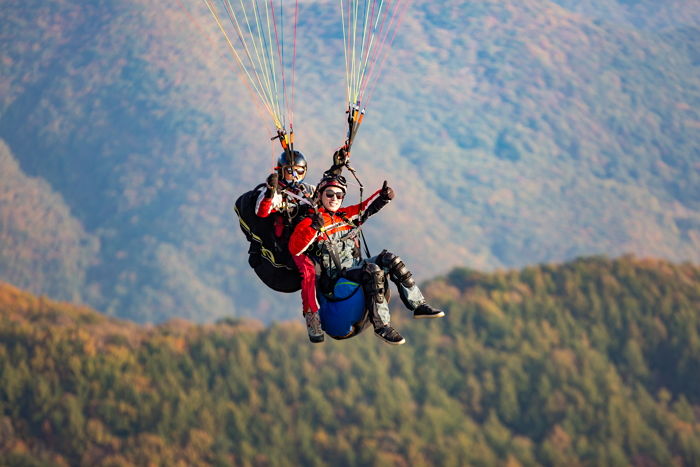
column 390, row 335
column 426, row 311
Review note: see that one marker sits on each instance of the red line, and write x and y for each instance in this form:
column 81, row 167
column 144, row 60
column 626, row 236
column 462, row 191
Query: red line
column 376, row 53
column 236, row 70
column 381, row 65
column 386, row 27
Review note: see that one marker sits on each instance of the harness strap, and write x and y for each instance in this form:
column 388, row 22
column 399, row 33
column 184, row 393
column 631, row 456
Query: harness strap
column 331, row 246
column 334, row 254
column 356, row 230
column 295, row 196
column 364, row 242
column 292, row 213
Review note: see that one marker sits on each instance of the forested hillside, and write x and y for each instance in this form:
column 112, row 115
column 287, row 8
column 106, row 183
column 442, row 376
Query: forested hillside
column 514, row 132
column 593, row 362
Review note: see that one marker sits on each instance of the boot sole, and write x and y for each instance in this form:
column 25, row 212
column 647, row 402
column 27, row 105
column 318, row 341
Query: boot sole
column 436, row 315
column 402, row 341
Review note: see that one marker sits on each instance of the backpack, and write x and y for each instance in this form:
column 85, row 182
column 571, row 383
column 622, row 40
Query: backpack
column 267, row 254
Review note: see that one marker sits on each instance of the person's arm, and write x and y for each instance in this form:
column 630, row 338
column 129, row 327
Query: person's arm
column 371, row 205
column 268, row 199
column 340, row 159
column 305, row 234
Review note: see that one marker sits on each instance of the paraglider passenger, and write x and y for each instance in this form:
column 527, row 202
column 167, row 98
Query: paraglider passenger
column 330, row 238
column 287, row 197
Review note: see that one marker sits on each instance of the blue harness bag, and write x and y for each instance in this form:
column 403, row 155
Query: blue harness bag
column 343, row 313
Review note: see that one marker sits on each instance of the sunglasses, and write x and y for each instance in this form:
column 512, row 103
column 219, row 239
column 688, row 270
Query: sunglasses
column 298, row 170
column 335, row 194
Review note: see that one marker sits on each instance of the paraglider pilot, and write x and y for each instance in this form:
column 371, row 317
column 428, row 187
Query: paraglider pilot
column 330, row 238
column 288, row 198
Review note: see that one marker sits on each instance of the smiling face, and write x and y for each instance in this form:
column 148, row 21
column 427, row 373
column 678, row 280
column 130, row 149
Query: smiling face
column 332, row 198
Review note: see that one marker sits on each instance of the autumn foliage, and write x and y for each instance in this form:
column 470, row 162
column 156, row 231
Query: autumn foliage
column 593, row 362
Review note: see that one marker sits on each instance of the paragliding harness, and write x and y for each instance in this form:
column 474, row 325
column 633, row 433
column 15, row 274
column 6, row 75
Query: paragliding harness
column 268, row 253
column 346, row 299
column 342, row 302
column 326, row 283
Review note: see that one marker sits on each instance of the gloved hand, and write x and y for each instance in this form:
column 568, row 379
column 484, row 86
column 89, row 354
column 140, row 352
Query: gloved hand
column 317, row 222
column 272, row 181
column 387, row 193
column 341, row 156
column 272, row 184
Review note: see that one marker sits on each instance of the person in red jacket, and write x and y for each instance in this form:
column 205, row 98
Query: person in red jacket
column 330, row 238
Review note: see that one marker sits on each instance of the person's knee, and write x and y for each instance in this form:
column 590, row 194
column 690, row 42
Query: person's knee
column 396, row 267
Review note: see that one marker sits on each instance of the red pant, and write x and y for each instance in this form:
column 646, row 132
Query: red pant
column 308, row 283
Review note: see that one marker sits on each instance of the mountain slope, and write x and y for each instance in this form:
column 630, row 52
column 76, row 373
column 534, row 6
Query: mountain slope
column 44, row 248
column 513, row 133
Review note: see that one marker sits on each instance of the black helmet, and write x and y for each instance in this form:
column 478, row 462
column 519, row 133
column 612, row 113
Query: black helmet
column 286, row 161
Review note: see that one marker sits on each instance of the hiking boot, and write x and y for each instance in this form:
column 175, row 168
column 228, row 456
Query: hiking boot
column 390, row 335
column 426, row 311
column 313, row 326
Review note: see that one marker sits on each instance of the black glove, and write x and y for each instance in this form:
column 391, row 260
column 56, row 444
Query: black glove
column 387, row 193
column 273, row 180
column 341, row 156
column 272, row 184
column 317, row 222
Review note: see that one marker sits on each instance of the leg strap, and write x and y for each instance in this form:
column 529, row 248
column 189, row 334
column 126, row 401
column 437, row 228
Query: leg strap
column 373, row 282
